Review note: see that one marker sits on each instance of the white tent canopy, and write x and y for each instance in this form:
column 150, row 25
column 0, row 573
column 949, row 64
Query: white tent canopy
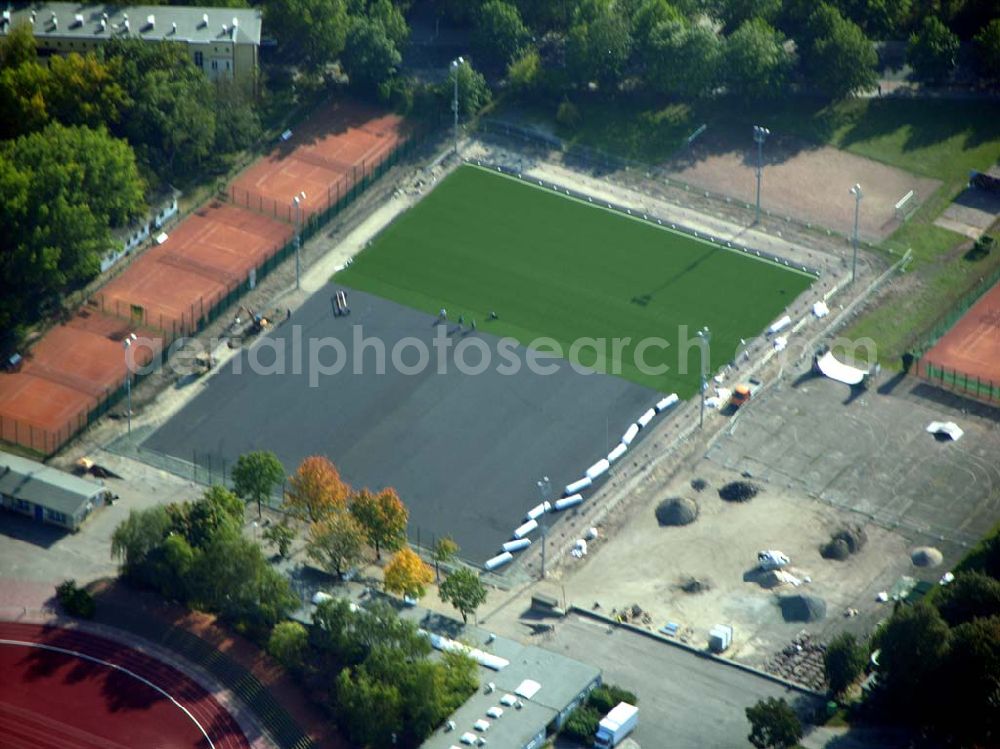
column 835, row 370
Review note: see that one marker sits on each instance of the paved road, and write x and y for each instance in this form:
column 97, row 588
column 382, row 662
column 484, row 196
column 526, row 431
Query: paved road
column 463, row 450
column 684, row 700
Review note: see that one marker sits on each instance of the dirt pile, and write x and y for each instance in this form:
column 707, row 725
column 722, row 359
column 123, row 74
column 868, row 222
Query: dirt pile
column 677, row 511
column 802, row 608
column 739, row 491
column 844, row 542
column 926, row 556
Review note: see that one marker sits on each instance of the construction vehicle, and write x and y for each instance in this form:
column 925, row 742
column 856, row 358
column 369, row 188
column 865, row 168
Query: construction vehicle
column 616, row 725
column 743, row 392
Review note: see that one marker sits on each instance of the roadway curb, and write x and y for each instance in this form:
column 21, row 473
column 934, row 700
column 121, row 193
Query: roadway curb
column 573, row 609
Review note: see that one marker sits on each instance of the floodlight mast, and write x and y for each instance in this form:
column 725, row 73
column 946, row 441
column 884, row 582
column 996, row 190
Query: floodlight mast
column 705, row 336
column 455, row 65
column 297, row 202
column 759, row 136
column 856, row 192
column 126, row 345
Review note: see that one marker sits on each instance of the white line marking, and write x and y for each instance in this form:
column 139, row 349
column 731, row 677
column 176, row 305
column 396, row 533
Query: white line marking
column 134, row 675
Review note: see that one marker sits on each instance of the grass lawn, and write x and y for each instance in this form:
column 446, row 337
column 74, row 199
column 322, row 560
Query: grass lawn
column 934, row 138
column 555, row 267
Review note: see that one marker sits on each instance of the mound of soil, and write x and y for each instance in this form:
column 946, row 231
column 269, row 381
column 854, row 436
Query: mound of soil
column 926, row 556
column 677, row 511
column 694, row 585
column 802, row 608
column 739, row 491
column 698, row 484
column 836, row 548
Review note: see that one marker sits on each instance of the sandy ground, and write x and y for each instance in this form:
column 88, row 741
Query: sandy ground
column 808, row 183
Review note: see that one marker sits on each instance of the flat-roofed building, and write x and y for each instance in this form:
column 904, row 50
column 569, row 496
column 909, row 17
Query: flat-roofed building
column 47, row 494
column 223, row 42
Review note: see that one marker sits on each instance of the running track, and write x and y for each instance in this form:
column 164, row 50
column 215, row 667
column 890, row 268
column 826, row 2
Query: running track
column 20, row 727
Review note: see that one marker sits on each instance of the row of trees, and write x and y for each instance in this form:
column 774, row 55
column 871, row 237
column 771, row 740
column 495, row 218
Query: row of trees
column 195, row 553
column 342, row 523
column 81, row 139
column 382, row 686
column 754, row 51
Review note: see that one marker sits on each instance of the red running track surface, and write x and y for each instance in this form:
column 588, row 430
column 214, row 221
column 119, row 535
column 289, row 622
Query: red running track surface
column 54, row 699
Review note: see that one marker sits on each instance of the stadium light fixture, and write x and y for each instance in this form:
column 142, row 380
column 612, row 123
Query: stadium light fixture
column 705, row 336
column 297, row 202
column 455, row 65
column 759, row 136
column 545, row 492
column 126, row 345
column 856, row 192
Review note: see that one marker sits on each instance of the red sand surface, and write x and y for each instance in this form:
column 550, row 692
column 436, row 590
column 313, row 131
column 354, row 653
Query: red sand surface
column 53, row 699
column 30, row 405
column 972, row 347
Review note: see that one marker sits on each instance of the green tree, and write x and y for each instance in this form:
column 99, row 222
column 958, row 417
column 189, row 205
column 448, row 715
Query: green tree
column 932, row 51
column 988, row 50
column 525, row 73
column 18, row 46
column 913, row 644
column 336, row 542
column 201, row 520
column 734, row 13
column 837, row 58
column 969, row 596
column 683, row 59
column 647, row 16
column 444, row 552
column 237, row 124
column 333, row 633
column 313, row 31
column 383, row 517
column 281, row 536
column 773, row 724
column 969, row 712
column 136, row 537
column 473, row 93
column 360, row 696
column 76, row 601
column 844, row 662
column 598, row 44
column 369, row 57
column 756, row 64
column 84, row 90
column 171, row 565
column 464, row 590
column 23, row 108
column 289, row 644
column 500, row 35
column 255, row 476
column 391, row 17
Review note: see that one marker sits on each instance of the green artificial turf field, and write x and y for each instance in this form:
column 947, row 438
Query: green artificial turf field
column 551, row 266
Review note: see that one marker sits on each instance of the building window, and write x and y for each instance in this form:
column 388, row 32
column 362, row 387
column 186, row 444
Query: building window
column 22, row 505
column 215, row 64
column 55, row 517
column 199, row 59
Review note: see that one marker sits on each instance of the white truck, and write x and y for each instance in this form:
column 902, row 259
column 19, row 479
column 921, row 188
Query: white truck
column 616, row 725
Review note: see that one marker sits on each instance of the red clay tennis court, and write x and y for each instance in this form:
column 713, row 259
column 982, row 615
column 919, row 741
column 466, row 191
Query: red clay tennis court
column 71, row 690
column 324, row 158
column 968, row 355
column 172, row 286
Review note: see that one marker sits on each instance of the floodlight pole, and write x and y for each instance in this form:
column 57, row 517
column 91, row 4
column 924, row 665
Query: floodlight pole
column 455, row 65
column 856, row 192
column 759, row 135
column 126, row 345
column 297, row 202
column 705, row 336
column 544, row 491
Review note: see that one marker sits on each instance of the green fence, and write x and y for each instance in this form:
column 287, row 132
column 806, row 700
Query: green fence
column 950, row 379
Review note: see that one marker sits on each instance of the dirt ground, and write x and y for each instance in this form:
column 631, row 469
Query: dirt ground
column 941, row 494
column 805, row 182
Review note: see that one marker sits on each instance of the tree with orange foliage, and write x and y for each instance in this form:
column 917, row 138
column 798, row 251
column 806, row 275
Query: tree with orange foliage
column 384, row 518
column 316, row 489
column 336, row 542
column 408, row 574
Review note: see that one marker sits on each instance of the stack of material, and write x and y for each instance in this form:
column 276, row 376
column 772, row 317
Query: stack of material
column 677, row 511
column 926, row 556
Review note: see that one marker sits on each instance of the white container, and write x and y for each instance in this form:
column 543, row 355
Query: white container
column 618, row 452
column 567, row 502
column 525, row 528
column 667, row 402
column 537, row 511
column 577, row 486
column 598, row 469
column 646, row 418
column 498, row 561
column 630, row 434
column 518, row 545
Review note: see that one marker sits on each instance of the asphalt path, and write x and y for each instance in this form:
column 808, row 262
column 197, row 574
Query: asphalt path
column 464, row 450
column 685, row 700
